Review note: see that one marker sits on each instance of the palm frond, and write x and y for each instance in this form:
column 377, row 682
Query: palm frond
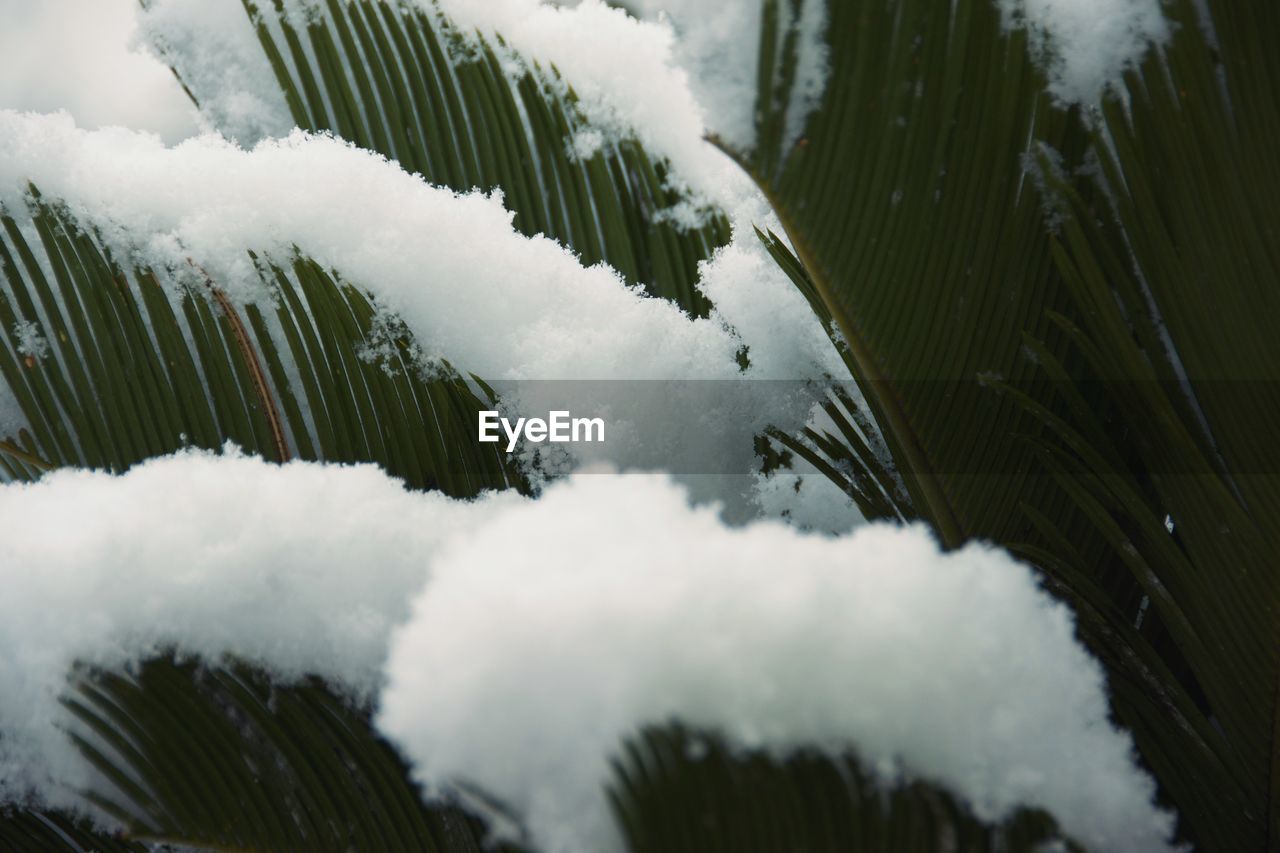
column 1121, row 314
column 904, row 198
column 1172, row 262
column 221, row 758
column 111, row 367
column 677, row 790
column 31, row 829
column 393, row 78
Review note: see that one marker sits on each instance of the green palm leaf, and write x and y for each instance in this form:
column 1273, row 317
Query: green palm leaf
column 1066, row 395
column 112, row 367
column 406, row 83
column 678, row 791
column 221, row 758
column 905, row 198
column 1174, row 273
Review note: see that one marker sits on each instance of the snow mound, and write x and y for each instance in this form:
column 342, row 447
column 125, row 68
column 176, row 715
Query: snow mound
column 609, row 604
column 302, row 568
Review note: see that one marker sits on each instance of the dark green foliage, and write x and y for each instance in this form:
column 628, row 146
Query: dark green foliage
column 905, row 200
column 677, row 791
column 1174, row 268
column 144, row 363
column 222, row 758
column 1109, row 279
column 405, row 83
column 30, row 831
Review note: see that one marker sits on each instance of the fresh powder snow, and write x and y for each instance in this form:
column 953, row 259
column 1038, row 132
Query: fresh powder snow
column 954, row 668
column 451, row 266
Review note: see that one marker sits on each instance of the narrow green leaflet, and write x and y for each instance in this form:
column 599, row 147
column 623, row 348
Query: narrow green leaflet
column 27, row 829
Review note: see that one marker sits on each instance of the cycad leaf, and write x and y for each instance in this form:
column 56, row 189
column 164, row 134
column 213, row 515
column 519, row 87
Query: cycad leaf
column 857, row 459
column 904, row 196
column 109, row 368
column 1174, row 271
column 393, row 78
column 908, row 201
column 26, row 829
column 222, row 758
column 676, row 791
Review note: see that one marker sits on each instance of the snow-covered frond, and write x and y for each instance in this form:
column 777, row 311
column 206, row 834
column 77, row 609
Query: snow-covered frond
column 543, row 632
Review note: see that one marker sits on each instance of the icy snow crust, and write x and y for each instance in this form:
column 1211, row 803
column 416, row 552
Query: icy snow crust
column 953, row 667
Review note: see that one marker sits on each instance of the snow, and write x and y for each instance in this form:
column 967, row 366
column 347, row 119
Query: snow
column 451, row 266
column 217, row 52
column 718, row 44
column 1086, row 45
column 31, row 343
column 806, row 499
column 623, row 71
column 301, row 567
column 955, row 668
column 77, row 55
column 812, row 69
column 685, row 68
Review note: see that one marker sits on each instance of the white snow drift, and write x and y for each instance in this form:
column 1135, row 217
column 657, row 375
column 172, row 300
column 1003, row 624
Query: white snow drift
column 569, row 608
column 610, row 603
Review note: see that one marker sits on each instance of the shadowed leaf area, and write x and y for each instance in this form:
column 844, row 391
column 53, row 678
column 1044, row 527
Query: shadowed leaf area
column 1108, row 275
column 221, row 758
